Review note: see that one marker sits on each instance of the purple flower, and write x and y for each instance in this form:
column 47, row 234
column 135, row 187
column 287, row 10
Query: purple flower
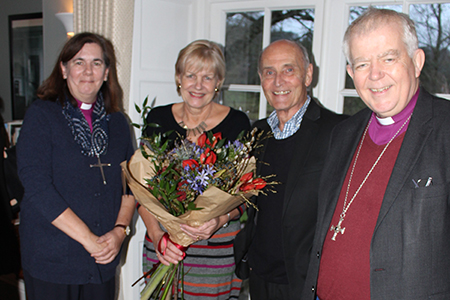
column 209, row 170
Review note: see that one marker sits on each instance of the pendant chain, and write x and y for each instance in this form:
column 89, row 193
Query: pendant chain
column 346, row 206
column 199, row 129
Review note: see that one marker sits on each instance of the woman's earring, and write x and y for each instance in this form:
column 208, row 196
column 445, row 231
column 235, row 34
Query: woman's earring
column 179, row 86
column 216, row 90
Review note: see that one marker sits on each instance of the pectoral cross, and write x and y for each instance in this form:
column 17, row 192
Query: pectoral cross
column 101, row 165
column 337, row 229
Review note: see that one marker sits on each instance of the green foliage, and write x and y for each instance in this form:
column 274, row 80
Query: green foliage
column 144, row 112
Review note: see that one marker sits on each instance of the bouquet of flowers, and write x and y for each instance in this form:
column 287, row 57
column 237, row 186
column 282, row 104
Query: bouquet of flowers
column 190, row 184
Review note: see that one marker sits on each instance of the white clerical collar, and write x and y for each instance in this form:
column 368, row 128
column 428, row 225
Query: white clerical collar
column 85, row 106
column 386, row 121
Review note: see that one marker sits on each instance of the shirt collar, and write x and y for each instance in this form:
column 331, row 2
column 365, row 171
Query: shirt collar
column 291, row 126
column 382, row 130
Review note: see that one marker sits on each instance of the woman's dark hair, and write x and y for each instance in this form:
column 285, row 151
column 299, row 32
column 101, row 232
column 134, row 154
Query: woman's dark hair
column 54, row 88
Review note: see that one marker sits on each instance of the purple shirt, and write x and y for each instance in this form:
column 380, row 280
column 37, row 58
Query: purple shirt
column 87, row 110
column 382, row 130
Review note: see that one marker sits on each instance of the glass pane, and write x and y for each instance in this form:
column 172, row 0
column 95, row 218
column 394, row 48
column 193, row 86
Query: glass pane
column 352, row 105
column 27, row 60
column 243, row 43
column 269, row 109
column 433, row 29
column 296, row 25
column 245, row 101
column 355, row 12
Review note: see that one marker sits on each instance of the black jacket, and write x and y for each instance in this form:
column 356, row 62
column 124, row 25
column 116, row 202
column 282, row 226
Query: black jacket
column 301, row 193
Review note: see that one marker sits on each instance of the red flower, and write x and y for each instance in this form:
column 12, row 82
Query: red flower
column 201, row 140
column 192, row 163
column 247, row 186
column 246, row 177
column 211, row 159
column 161, row 170
column 208, row 157
column 259, row 183
column 216, row 138
column 181, row 196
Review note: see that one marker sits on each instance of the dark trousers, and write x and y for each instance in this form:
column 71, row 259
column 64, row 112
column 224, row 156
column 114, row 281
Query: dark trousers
column 263, row 290
column 37, row 289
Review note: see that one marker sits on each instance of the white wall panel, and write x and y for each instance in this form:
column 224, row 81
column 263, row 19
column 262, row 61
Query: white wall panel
column 161, row 29
column 165, row 30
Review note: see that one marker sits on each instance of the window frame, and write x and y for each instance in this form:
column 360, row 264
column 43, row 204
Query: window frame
column 342, row 8
column 218, row 16
column 331, row 21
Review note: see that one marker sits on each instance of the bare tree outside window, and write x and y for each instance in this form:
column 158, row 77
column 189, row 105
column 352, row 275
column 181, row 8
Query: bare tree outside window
column 433, row 29
column 354, row 104
column 243, row 44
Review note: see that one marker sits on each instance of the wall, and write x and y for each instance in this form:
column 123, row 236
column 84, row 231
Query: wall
column 157, row 39
column 11, row 7
column 54, row 32
column 54, row 38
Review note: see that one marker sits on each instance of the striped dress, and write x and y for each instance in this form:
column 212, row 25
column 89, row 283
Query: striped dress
column 209, row 266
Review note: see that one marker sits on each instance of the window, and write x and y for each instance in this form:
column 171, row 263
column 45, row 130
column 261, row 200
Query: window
column 246, row 34
column 352, row 102
column 433, row 30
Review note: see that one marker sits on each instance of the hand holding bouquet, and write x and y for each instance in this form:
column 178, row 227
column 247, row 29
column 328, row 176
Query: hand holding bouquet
column 190, row 184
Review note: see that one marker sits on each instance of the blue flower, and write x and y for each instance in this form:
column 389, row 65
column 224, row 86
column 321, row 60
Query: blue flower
column 209, row 170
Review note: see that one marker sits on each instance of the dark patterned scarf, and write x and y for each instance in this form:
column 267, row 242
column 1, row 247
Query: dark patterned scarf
column 95, row 143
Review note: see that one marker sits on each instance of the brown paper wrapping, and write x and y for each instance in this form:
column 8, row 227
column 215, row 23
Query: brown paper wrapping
column 214, row 201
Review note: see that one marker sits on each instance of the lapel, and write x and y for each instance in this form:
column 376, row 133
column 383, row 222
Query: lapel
column 303, row 143
column 345, row 142
column 415, row 139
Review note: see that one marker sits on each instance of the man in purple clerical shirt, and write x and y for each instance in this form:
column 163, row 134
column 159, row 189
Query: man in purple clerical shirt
column 383, row 218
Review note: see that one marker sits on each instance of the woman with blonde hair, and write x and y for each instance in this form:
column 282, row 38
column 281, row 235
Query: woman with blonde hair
column 199, row 75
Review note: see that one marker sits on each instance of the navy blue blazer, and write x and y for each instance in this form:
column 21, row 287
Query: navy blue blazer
column 56, row 176
column 411, row 241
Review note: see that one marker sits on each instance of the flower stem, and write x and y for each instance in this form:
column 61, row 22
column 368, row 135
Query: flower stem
column 155, row 279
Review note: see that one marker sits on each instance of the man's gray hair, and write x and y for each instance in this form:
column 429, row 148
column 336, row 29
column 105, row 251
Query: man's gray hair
column 372, row 19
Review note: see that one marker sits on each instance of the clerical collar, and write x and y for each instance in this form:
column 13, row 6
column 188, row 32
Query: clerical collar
column 86, row 109
column 85, row 106
column 381, row 130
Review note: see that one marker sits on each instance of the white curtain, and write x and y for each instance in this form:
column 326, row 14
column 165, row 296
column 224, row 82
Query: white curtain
column 114, row 20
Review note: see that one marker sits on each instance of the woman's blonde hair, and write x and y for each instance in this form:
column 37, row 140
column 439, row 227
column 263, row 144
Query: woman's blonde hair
column 198, row 55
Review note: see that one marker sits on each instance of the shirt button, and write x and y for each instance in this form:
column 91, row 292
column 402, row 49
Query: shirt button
column 318, row 254
column 313, row 289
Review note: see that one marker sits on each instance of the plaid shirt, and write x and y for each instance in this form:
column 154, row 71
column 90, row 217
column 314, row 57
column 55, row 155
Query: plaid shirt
column 291, row 126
